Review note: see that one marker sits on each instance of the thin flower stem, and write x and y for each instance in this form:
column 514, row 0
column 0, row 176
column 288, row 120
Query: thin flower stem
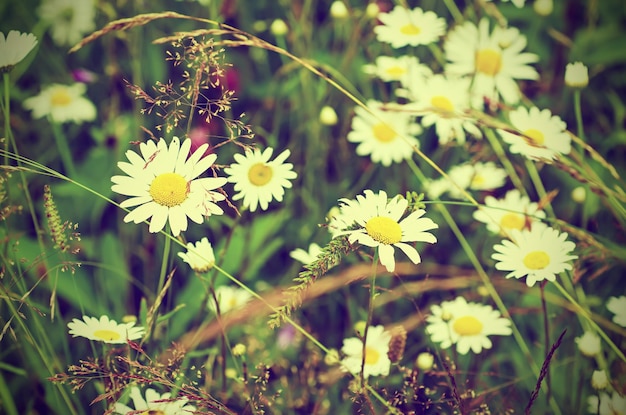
column 546, row 335
column 508, row 166
column 454, row 11
column 7, row 114
column 579, row 117
column 64, row 149
column 164, row 261
column 541, row 190
column 370, row 313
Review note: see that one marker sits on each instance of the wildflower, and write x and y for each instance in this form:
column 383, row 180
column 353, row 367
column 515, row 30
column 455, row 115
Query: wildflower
column 514, row 211
column 467, row 325
column 444, row 100
column 576, row 75
column 328, row 116
column 306, row 257
column 617, row 305
column 406, row 69
column 338, row 10
column 259, row 180
column 229, row 298
column 589, row 343
column 380, row 226
column 384, row 136
column 543, row 7
column 494, row 60
column 83, row 75
column 151, row 404
column 104, row 330
column 401, row 27
column 376, row 348
column 538, row 254
column 279, row 28
column 425, row 361
column 14, row 48
column 473, row 176
column 199, row 256
column 62, row 103
column 544, row 135
column 239, row 349
column 332, row 357
column 599, row 380
column 163, row 183
column 607, row 405
column 69, row 19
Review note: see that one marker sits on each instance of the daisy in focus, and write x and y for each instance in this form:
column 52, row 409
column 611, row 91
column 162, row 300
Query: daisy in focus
column 14, row 47
column 376, row 348
column 537, row 254
column 386, row 137
column 403, row 69
column 199, row 256
column 104, row 330
column 229, row 298
column 306, row 257
column 514, row 211
column 381, row 226
column 401, row 27
column 259, row 180
column 69, row 19
column 164, row 185
column 62, row 103
column 544, row 135
column 495, row 60
column 617, row 306
column 467, row 325
column 151, row 404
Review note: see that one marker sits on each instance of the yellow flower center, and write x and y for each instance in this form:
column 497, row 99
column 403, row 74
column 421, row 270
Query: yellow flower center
column 169, row 189
column 371, row 356
column 467, row 326
column 106, row 335
column 232, row 303
column 536, row 260
column 260, row 174
column 512, row 221
column 478, row 180
column 536, row 136
column 410, row 30
column 60, row 98
column 442, row 103
column 153, row 412
column 488, row 61
column 395, row 71
column 383, row 133
column 384, row 230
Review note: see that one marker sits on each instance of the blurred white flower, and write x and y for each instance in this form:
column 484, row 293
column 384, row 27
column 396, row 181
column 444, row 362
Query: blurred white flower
column 151, row 404
column 376, row 347
column 69, row 19
column 199, row 256
column 589, row 344
column 229, row 298
column 617, row 305
column 401, row 27
column 306, row 257
column 14, row 48
column 62, row 103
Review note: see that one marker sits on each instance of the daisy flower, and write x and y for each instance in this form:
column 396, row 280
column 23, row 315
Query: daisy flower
column 538, row 254
column 62, row 103
column 467, row 325
column 404, row 69
column 444, row 101
column 385, row 137
column 104, row 330
column 544, row 135
column 199, row 256
column 151, row 404
column 380, row 226
column 607, row 405
column 163, row 183
column 229, row 298
column 511, row 212
column 306, row 257
column 495, row 60
column 376, row 359
column 474, row 176
column 14, row 47
column 617, row 305
column 401, row 27
column 69, row 19
column 259, row 180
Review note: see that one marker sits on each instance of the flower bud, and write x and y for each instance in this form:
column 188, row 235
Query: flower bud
column 279, row 27
column 589, row 344
column 338, row 10
column 425, row 361
column 579, row 194
column 372, row 10
column 543, row 7
column 599, row 380
column 328, row 116
column 576, row 75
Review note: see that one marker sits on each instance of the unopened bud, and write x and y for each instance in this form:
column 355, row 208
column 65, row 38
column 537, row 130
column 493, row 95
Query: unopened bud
column 543, row 7
column 576, row 75
column 279, row 27
column 328, row 116
column 338, row 10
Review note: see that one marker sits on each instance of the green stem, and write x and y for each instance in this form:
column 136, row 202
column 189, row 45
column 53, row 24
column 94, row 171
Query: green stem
column 454, row 11
column 64, row 149
column 508, row 166
column 370, row 313
column 7, row 115
column 541, row 190
column 5, row 396
column 579, row 117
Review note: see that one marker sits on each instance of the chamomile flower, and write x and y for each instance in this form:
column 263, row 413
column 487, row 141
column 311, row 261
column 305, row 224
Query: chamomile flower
column 165, row 186
column 259, row 180
column 444, row 101
column 401, row 27
column 606, row 404
column 537, row 254
column 199, row 256
column 151, row 404
column 104, row 330
column 229, row 298
column 403, row 69
column 617, row 305
column 376, row 359
column 472, row 176
column 495, row 60
column 69, row 19
column 306, row 257
column 62, row 103
column 544, row 135
column 511, row 212
column 381, row 226
column 465, row 324
column 14, row 47
column 387, row 136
